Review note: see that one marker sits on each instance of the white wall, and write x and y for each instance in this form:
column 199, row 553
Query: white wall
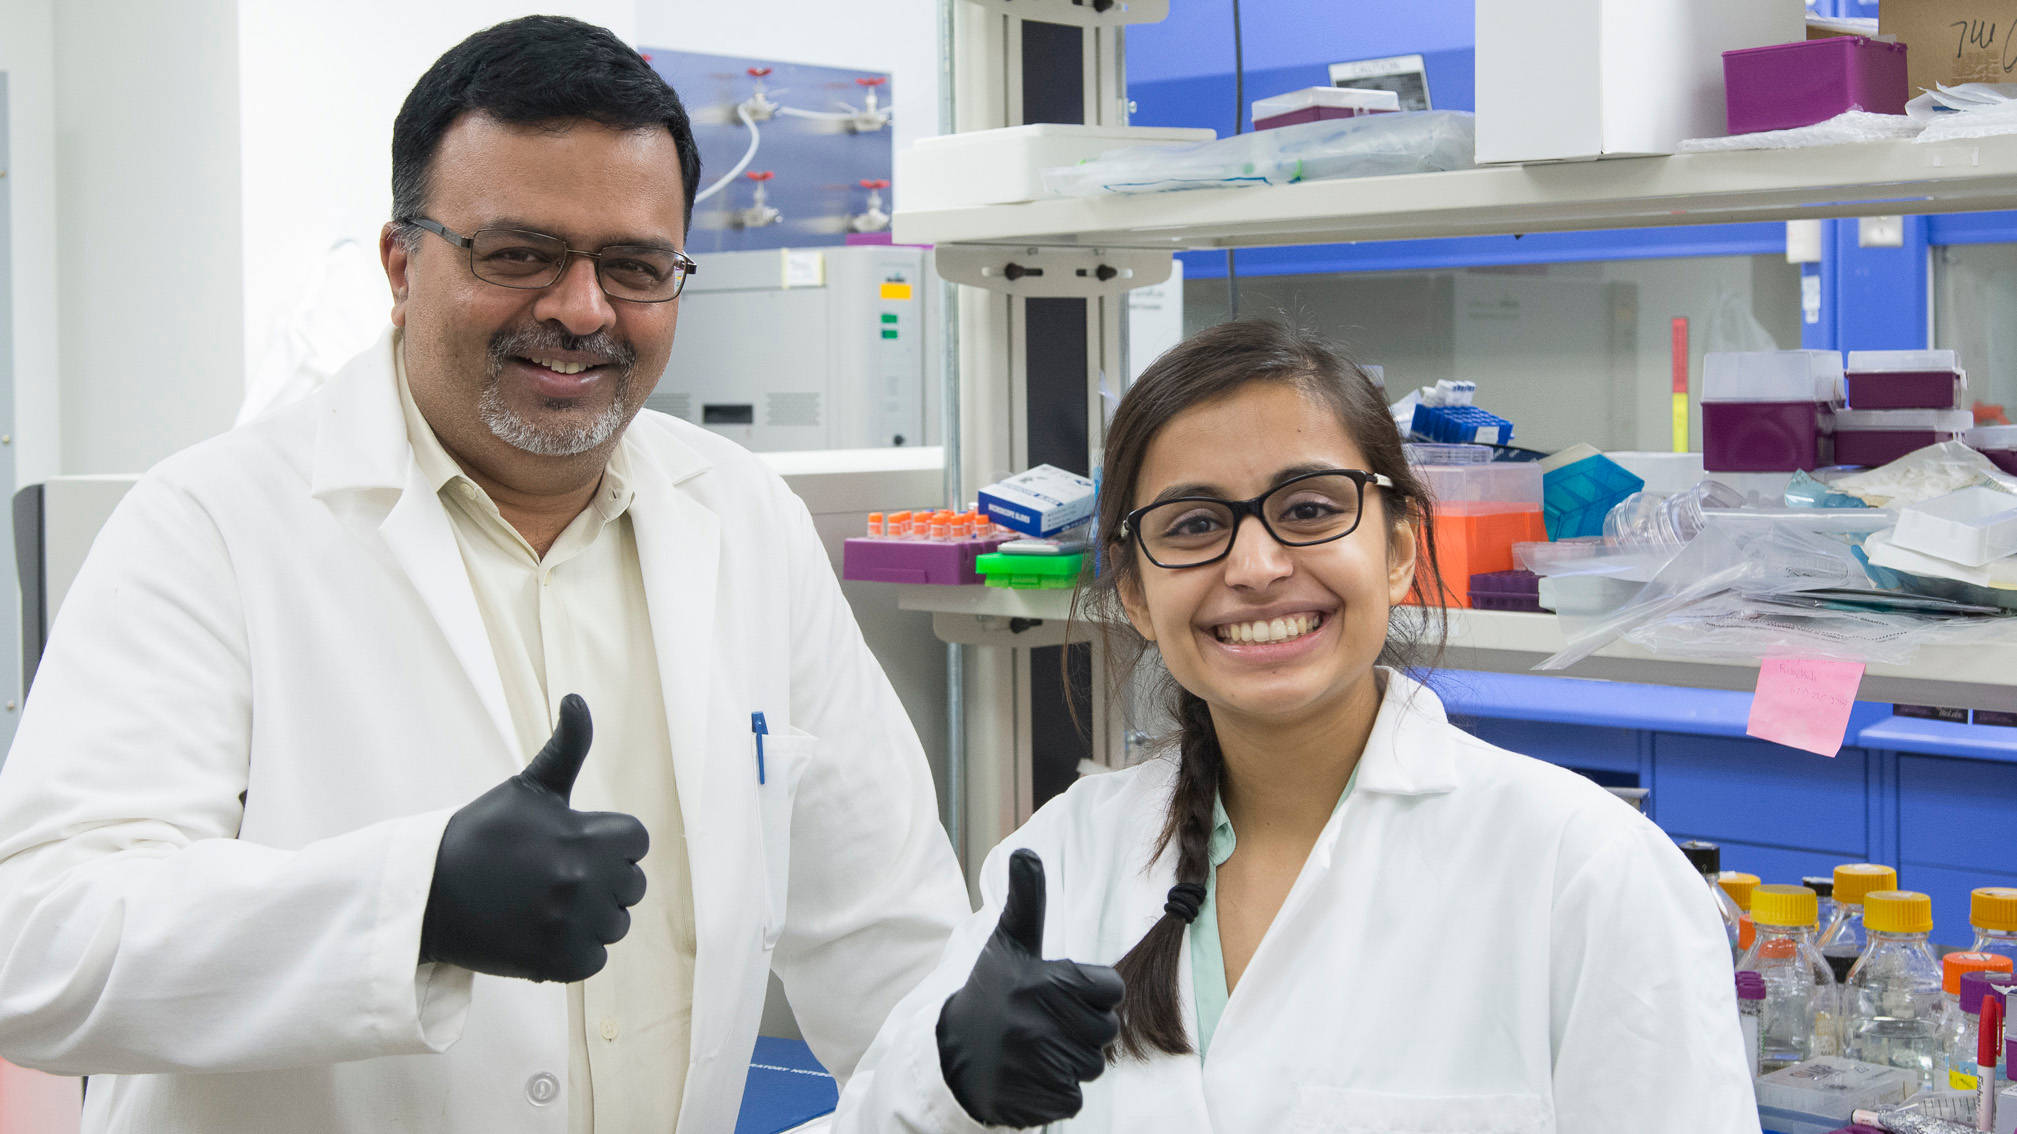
column 322, row 83
column 27, row 55
column 148, row 284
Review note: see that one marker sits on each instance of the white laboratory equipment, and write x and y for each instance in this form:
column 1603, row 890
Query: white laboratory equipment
column 809, row 348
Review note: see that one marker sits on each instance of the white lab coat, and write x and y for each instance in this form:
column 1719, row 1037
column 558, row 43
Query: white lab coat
column 1479, row 943
column 268, row 689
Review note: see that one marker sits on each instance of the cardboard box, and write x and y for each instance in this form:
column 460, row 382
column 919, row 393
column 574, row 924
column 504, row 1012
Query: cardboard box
column 1953, row 41
column 1570, row 80
column 1041, row 502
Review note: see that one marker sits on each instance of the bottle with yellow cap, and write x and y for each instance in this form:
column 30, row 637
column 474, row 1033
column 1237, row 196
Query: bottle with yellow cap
column 1843, row 940
column 1799, row 1019
column 1992, row 910
column 1896, row 1003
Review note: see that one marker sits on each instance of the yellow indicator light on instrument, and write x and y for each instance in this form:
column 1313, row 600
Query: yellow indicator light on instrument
column 896, row 291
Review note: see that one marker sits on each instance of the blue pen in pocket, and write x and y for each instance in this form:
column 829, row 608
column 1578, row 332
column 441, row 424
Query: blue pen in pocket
column 757, row 726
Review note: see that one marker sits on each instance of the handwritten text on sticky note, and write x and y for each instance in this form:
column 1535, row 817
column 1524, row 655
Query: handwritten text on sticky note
column 1804, row 702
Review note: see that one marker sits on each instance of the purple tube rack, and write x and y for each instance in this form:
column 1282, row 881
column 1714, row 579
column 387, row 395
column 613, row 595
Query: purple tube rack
column 1506, row 590
column 1915, row 389
column 914, row 560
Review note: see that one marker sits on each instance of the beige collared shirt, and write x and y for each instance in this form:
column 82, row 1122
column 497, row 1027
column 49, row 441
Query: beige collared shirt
column 575, row 621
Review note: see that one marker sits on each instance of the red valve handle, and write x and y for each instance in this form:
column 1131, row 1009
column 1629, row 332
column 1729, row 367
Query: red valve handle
column 759, row 175
column 874, row 82
column 878, row 183
column 757, row 72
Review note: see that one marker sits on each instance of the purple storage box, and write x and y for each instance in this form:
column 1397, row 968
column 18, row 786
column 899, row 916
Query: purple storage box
column 1904, row 379
column 1506, row 590
column 914, row 560
column 1798, row 84
column 1761, row 436
column 1996, row 442
column 1878, row 437
column 1313, row 114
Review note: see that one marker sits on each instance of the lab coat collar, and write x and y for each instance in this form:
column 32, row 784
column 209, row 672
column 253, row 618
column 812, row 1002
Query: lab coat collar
column 1408, row 751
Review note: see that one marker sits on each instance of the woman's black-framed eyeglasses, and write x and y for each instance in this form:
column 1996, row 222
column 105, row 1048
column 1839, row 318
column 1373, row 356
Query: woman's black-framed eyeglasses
column 1192, row 531
column 513, row 257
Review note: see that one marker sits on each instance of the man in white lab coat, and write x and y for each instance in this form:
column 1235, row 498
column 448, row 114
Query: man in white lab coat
column 269, row 810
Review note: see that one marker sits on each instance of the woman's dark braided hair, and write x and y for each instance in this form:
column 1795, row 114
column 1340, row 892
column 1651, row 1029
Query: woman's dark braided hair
column 1204, row 368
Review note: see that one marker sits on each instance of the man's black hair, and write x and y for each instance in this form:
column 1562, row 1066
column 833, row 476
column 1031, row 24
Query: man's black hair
column 531, row 70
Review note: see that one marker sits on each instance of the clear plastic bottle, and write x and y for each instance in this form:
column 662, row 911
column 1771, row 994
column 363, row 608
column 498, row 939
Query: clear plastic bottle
column 1739, row 886
column 1824, row 893
column 1896, row 1008
column 1992, row 910
column 1708, row 861
column 1843, row 939
column 1964, row 1022
column 1799, row 1020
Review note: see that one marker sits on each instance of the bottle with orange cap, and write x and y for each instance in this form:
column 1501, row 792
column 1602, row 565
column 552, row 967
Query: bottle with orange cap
column 1992, row 910
column 1964, row 1013
column 1843, row 940
column 1799, row 1019
column 1896, row 1000
column 1740, row 886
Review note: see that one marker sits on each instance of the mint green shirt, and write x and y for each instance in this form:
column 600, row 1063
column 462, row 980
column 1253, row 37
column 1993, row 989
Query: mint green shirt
column 1208, row 958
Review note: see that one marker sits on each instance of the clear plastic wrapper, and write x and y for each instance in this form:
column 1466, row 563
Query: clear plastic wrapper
column 1378, row 145
column 1922, row 474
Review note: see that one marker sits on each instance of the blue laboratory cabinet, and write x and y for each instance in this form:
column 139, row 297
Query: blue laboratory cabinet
column 1931, row 798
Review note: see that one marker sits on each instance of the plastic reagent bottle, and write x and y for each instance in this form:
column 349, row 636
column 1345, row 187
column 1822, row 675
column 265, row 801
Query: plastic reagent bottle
column 1799, row 1018
column 1964, row 1021
column 1708, row 861
column 1992, row 910
column 1843, row 939
column 1895, row 1003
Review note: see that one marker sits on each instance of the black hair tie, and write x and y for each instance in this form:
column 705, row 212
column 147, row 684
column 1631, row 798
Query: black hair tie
column 1184, row 901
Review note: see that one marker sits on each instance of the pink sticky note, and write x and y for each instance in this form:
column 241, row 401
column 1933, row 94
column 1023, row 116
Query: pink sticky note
column 1804, row 702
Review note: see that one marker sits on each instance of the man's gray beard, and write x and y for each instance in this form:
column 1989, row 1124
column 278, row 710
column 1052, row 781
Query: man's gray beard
column 552, row 440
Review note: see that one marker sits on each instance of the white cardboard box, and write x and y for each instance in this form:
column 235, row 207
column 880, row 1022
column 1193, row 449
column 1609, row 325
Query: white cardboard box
column 1570, row 80
column 1005, row 166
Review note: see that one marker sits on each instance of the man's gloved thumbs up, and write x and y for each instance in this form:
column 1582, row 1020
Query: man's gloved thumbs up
column 559, row 762
column 1022, row 914
column 526, row 886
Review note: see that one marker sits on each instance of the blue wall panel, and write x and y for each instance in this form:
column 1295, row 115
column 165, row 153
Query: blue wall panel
column 1585, row 749
column 1957, row 813
column 1771, row 864
column 1721, row 789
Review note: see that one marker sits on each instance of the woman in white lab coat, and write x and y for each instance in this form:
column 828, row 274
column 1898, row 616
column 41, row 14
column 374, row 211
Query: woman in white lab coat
column 1331, row 909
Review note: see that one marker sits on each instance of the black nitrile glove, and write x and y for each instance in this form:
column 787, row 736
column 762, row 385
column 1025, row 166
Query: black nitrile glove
column 525, row 886
column 1018, row 1038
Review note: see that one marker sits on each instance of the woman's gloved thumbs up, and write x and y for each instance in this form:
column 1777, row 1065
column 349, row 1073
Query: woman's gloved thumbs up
column 1018, row 1038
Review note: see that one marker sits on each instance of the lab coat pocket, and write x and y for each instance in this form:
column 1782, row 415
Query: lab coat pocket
column 785, row 756
column 1339, row 1110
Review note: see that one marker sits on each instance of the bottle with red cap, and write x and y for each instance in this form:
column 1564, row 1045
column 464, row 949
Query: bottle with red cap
column 1973, row 981
column 1800, row 1003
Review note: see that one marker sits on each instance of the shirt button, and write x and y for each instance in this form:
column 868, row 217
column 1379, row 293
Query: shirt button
column 542, row 1089
column 609, row 1028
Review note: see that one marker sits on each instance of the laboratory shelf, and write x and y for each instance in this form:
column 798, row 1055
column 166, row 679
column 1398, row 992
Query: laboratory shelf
column 1862, row 179
column 1980, row 675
